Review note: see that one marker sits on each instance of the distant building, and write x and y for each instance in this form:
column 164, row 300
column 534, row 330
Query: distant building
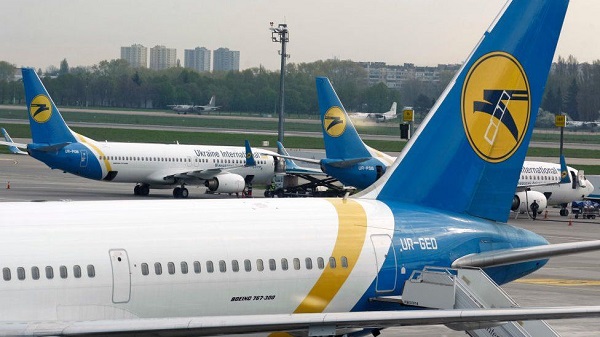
column 197, row 59
column 136, row 55
column 393, row 76
column 162, row 57
column 226, row 60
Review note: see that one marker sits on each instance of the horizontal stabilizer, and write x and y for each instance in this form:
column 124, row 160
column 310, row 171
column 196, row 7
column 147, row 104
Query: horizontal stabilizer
column 518, row 255
column 331, row 322
column 345, row 163
column 48, row 148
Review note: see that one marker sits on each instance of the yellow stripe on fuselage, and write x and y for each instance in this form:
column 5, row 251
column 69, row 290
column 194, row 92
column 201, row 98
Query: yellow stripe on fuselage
column 352, row 230
column 92, row 145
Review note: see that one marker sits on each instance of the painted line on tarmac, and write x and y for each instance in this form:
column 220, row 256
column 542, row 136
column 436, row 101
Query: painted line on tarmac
column 560, row 282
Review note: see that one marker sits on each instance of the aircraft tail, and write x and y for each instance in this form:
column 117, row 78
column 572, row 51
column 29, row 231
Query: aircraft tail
column 46, row 123
column 12, row 146
column 564, row 172
column 212, row 102
column 393, row 109
column 468, row 153
column 250, row 161
column 340, row 137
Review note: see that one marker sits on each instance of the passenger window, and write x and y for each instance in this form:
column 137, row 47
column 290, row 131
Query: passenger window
column 49, row 272
column 272, row 265
column 197, row 268
column 247, row 265
column 284, row 264
column 145, row 270
column 91, row 270
column 308, row 262
column 332, row 263
column 259, row 265
column 209, row 266
column 35, row 273
column 296, row 263
column 235, row 266
column 171, row 268
column 6, row 274
column 21, row 273
column 344, row 262
column 222, row 266
column 320, row 263
column 184, row 267
column 157, row 268
column 77, row 271
column 63, row 271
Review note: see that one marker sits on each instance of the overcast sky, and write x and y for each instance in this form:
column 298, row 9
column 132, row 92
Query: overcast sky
column 39, row 33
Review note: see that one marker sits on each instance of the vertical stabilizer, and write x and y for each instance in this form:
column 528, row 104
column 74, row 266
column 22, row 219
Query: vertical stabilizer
column 468, row 154
column 46, row 123
column 340, row 137
column 564, row 172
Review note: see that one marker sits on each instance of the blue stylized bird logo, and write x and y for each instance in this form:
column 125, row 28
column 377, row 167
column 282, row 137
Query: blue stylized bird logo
column 41, row 107
column 493, row 100
column 335, row 120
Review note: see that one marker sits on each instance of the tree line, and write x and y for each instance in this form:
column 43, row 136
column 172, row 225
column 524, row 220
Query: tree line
column 572, row 88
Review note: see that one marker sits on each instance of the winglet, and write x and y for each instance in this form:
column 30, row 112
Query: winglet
column 249, row 155
column 564, row 173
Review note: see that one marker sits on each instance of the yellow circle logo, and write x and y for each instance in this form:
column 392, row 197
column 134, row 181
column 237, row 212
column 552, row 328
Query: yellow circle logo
column 40, row 108
column 334, row 122
column 496, row 106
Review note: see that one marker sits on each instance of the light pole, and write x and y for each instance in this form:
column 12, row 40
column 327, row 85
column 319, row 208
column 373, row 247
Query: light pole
column 281, row 35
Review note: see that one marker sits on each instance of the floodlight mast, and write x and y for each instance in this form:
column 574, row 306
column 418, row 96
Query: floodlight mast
column 280, row 34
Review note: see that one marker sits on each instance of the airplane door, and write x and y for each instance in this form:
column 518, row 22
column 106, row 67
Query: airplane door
column 84, row 158
column 386, row 277
column 121, row 275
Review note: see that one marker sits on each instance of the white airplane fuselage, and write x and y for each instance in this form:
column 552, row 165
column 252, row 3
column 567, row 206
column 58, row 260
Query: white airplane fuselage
column 144, row 262
column 545, row 178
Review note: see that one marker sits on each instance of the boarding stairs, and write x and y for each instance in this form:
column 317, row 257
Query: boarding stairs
column 468, row 288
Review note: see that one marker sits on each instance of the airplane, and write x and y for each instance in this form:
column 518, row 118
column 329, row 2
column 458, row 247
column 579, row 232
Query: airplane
column 317, row 267
column 222, row 169
column 379, row 117
column 362, row 165
column 12, row 149
column 184, row 109
column 554, row 184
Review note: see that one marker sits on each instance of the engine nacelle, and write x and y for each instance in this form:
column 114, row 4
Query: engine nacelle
column 226, row 183
column 522, row 201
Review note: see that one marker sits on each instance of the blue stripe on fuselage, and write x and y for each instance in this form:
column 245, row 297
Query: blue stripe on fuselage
column 75, row 158
column 427, row 237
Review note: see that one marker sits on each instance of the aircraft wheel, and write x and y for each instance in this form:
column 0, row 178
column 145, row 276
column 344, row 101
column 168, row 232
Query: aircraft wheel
column 184, row 193
column 566, row 212
column 144, row 190
column 177, row 192
column 136, row 190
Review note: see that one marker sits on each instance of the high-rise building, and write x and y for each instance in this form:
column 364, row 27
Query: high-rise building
column 136, row 55
column 197, row 59
column 162, row 57
column 225, row 60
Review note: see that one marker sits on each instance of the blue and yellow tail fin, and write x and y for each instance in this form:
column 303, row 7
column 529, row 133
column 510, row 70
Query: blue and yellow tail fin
column 564, row 172
column 340, row 137
column 468, row 153
column 46, row 123
column 249, row 155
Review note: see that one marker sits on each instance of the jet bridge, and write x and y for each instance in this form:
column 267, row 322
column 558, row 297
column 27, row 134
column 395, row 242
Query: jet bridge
column 466, row 288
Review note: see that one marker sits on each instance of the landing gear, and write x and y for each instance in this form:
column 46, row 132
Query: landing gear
column 142, row 190
column 563, row 210
column 180, row 193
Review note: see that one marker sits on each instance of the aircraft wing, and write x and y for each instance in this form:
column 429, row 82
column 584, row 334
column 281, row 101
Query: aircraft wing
column 516, row 255
column 320, row 324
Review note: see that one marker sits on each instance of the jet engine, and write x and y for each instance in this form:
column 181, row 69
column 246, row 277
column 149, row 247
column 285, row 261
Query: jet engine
column 522, row 201
column 226, row 183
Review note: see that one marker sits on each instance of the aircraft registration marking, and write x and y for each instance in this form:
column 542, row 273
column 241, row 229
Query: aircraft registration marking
column 426, row 243
column 560, row 282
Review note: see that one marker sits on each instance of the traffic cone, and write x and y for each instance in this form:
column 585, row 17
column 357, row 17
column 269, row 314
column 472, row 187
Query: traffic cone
column 8, row 185
column 546, row 215
column 570, row 221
